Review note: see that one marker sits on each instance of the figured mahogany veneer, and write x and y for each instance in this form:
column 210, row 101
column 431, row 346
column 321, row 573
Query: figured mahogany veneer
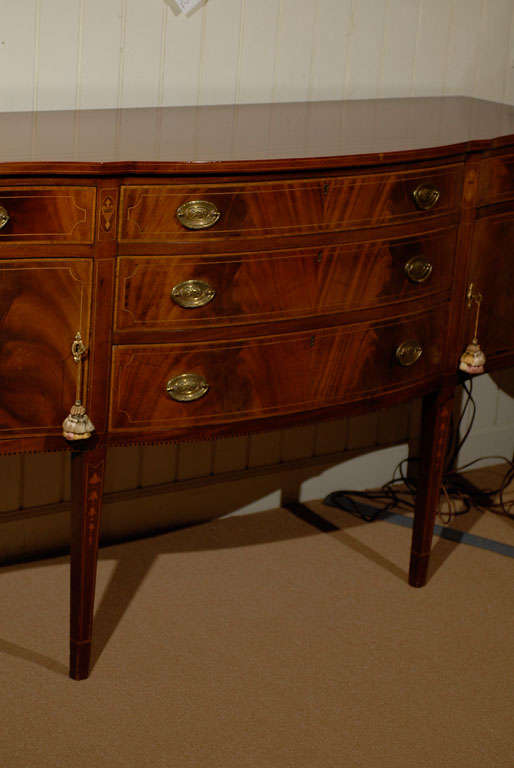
column 48, row 214
column 497, row 179
column 336, row 233
column 288, row 207
column 282, row 284
column 271, row 375
column 42, row 303
column 492, row 271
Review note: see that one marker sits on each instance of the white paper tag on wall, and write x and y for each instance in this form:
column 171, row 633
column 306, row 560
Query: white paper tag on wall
column 188, row 5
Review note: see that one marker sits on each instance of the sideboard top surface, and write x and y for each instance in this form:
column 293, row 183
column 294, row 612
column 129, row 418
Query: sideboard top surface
column 246, row 137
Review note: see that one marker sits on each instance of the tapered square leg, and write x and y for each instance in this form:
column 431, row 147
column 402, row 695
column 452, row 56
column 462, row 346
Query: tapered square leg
column 437, row 409
column 87, row 476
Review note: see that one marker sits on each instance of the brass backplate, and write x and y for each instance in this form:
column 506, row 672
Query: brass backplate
column 4, row 217
column 198, row 214
column 417, row 269
column 408, row 352
column 426, row 196
column 192, row 293
column 186, row 387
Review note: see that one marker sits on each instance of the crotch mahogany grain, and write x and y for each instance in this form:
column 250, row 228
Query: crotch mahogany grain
column 336, row 270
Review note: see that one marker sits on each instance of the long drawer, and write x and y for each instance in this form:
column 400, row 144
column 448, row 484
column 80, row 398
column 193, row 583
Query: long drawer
column 173, row 385
column 194, row 292
column 47, row 214
column 194, row 213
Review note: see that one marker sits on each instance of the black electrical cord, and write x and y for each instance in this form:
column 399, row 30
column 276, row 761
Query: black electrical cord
column 460, row 494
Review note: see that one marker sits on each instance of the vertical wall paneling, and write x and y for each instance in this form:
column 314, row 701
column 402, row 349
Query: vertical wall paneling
column 220, row 54
column 393, row 424
column 400, row 34
column 331, row 436
column 332, row 31
column 231, row 454
column 182, row 58
column 509, row 80
column 298, row 442
column 464, row 38
column 431, row 62
column 142, row 53
column 494, row 55
column 101, row 54
column 42, row 481
column 365, row 47
column 257, row 50
column 10, row 483
column 294, row 50
column 122, row 469
column 195, row 459
column 264, row 449
column 362, row 431
column 56, row 87
column 18, row 46
column 158, row 464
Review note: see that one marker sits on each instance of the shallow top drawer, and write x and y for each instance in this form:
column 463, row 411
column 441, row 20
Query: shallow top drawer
column 47, row 214
column 181, row 213
column 497, row 179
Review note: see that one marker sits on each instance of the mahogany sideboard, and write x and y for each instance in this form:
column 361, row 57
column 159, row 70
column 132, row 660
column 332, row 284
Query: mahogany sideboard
column 242, row 268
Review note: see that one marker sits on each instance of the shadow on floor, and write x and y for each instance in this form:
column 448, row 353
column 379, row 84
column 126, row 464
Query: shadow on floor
column 133, row 564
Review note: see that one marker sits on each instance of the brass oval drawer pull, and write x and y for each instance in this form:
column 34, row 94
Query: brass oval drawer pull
column 198, row 214
column 186, row 387
column 408, row 352
column 426, row 196
column 192, row 293
column 4, row 217
column 418, row 270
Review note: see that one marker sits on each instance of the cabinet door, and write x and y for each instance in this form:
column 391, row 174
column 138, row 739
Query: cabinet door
column 492, row 273
column 43, row 303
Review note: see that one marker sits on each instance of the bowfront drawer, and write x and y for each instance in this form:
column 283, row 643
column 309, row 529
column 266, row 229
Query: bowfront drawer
column 194, row 213
column 194, row 292
column 47, row 214
column 497, row 179
column 178, row 385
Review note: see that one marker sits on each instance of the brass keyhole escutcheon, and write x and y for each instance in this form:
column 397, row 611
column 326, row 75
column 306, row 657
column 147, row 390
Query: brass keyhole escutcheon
column 4, row 217
column 187, row 387
column 418, row 270
column 198, row 214
column 192, row 293
column 408, row 352
column 426, row 196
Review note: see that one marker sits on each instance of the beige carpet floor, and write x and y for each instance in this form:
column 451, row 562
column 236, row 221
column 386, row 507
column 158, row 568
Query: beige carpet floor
column 257, row 641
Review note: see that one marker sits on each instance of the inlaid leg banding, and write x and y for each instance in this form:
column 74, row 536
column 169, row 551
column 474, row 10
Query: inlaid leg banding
column 87, row 475
column 437, row 409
